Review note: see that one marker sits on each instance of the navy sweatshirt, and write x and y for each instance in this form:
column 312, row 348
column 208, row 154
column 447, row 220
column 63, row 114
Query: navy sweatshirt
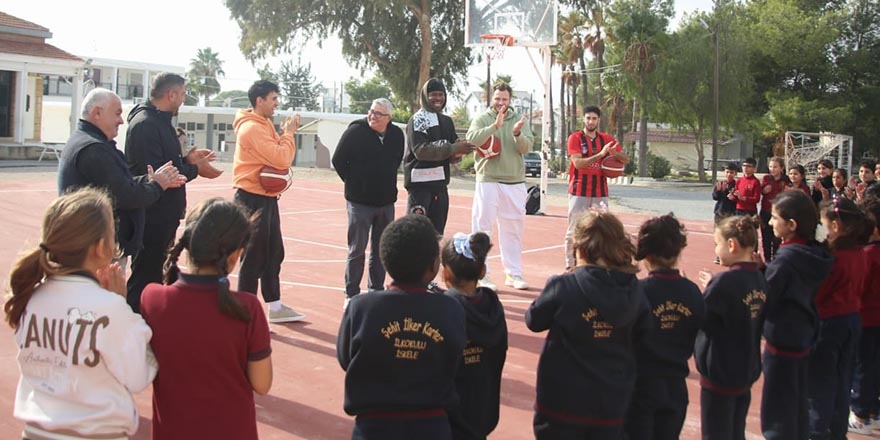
column 587, row 369
column 400, row 350
column 728, row 347
column 677, row 312
column 723, row 205
column 478, row 381
column 793, row 278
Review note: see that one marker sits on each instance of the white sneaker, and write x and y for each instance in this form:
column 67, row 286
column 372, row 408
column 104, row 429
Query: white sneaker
column 345, row 303
column 285, row 314
column 516, row 281
column 486, row 282
column 858, row 425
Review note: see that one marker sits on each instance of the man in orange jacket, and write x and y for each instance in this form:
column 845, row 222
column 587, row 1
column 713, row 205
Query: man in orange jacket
column 257, row 145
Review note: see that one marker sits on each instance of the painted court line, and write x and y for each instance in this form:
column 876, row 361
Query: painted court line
column 313, row 211
column 332, row 246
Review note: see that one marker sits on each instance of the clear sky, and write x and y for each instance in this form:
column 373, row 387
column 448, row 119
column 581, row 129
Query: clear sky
column 171, row 32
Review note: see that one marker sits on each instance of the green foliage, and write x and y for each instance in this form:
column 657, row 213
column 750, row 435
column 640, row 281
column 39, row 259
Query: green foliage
column 467, row 163
column 406, row 41
column 363, row 93
column 658, row 166
column 203, row 72
column 460, row 117
column 299, row 88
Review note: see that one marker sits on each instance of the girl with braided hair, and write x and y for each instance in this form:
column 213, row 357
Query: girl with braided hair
column 213, row 343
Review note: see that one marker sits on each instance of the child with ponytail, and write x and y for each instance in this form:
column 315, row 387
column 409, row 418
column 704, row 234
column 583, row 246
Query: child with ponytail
column 728, row 347
column 213, row 343
column 791, row 321
column 478, row 380
column 82, row 351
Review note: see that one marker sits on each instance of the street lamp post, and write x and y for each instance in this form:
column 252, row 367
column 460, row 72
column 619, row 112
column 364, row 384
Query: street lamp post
column 715, row 94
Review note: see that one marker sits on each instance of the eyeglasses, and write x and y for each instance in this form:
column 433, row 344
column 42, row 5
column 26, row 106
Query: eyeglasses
column 378, row 114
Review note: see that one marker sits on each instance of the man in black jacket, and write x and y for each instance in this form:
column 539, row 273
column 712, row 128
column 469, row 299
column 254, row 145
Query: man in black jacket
column 366, row 159
column 151, row 140
column 91, row 158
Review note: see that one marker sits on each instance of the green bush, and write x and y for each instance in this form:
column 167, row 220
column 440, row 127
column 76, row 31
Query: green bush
column 467, row 163
column 631, row 167
column 658, row 167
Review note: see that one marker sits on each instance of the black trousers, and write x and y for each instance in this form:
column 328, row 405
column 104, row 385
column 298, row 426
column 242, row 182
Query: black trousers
column 550, row 429
column 784, row 408
column 433, row 204
column 658, row 409
column 147, row 264
column 830, row 376
column 865, row 384
column 769, row 242
column 261, row 261
column 723, row 416
column 432, row 428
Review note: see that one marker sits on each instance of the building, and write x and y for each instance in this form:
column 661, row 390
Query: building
column 522, row 102
column 25, row 60
column 679, row 148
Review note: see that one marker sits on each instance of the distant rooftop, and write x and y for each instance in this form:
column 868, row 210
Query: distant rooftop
column 28, row 39
column 7, row 20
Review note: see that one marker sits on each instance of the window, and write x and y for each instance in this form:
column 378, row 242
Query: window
column 200, row 126
column 190, row 126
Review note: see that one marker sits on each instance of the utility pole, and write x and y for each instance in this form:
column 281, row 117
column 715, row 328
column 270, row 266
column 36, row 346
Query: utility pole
column 715, row 98
column 488, row 81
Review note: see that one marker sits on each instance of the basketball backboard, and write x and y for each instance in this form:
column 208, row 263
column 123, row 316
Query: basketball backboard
column 530, row 22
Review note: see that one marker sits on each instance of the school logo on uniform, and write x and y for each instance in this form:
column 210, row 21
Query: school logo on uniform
column 409, row 338
column 668, row 314
column 601, row 329
column 754, row 301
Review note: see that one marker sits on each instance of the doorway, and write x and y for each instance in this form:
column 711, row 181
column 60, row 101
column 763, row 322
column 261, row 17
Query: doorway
column 7, row 103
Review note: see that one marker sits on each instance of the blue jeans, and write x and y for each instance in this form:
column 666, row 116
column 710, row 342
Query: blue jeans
column 365, row 223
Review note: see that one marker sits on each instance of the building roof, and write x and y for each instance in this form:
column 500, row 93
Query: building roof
column 15, row 22
column 663, row 135
column 35, row 49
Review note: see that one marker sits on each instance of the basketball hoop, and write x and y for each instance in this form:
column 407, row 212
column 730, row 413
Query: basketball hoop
column 494, row 44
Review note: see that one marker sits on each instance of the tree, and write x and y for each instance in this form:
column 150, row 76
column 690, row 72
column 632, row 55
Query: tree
column 299, row 88
column 640, row 28
column 203, row 72
column 396, row 37
column 363, row 94
column 230, row 98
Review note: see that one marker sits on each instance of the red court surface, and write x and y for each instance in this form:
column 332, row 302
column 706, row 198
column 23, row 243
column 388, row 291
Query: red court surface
column 306, row 399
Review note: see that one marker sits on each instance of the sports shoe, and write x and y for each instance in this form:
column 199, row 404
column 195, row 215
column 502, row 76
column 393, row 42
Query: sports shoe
column 285, row 314
column 516, row 281
column 433, row 287
column 487, row 283
column 858, row 425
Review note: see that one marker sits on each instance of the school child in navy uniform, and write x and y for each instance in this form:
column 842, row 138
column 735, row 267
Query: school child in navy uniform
column 829, row 372
column 866, row 383
column 595, row 314
column 790, row 319
column 728, row 351
column 479, row 372
column 724, row 205
column 659, row 403
column 400, row 348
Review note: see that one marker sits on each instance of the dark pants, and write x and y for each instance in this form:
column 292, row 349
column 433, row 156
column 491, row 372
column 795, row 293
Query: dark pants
column 147, row 264
column 550, row 429
column 769, row 242
column 434, row 205
column 365, row 223
column 658, row 408
column 784, row 409
column 723, row 416
column 865, row 386
column 747, row 213
column 830, row 376
column 434, row 428
column 261, row 261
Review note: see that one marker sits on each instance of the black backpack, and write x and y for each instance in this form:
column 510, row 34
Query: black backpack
column 533, row 200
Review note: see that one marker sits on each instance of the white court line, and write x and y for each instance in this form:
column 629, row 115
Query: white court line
column 333, row 246
column 314, row 261
column 529, row 251
column 313, row 211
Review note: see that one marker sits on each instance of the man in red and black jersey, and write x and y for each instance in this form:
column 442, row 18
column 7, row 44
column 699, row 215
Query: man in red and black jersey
column 587, row 187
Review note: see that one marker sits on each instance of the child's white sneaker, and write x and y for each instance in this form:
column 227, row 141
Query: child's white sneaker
column 487, row 283
column 858, row 425
column 516, row 281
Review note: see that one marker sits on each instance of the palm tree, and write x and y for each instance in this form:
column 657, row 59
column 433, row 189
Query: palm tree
column 597, row 35
column 203, row 72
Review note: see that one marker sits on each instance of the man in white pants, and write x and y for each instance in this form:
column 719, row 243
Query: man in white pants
column 500, row 192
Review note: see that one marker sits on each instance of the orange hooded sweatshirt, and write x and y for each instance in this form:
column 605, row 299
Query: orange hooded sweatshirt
column 257, row 145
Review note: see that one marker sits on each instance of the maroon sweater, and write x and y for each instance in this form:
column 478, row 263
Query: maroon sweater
column 841, row 293
column 871, row 296
column 749, row 189
column 777, row 186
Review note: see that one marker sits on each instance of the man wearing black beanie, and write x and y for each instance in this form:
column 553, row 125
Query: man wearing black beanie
column 431, row 145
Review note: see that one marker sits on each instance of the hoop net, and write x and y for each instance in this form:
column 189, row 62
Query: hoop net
column 808, row 149
column 494, row 44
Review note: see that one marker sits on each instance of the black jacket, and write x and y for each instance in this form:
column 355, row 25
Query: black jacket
column 723, row 205
column 89, row 158
column 791, row 320
column 152, row 140
column 728, row 347
column 430, row 139
column 677, row 313
column 587, row 368
column 368, row 164
column 400, row 351
column 478, row 381
column 827, row 183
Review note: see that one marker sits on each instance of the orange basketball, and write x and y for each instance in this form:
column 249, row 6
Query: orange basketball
column 612, row 167
column 490, row 148
column 274, row 180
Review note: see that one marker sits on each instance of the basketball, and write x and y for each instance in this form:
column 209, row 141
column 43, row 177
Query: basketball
column 612, row 167
column 489, row 149
column 274, row 180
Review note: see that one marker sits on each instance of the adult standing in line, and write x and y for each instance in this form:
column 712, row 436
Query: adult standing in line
column 587, row 186
column 367, row 159
column 90, row 158
column 500, row 192
column 431, row 146
column 257, row 145
column 151, row 141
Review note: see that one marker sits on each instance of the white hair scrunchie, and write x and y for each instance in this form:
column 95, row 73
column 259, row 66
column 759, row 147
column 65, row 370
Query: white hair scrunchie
column 462, row 244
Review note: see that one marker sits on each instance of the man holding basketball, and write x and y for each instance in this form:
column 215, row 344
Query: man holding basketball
column 501, row 189
column 587, row 186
